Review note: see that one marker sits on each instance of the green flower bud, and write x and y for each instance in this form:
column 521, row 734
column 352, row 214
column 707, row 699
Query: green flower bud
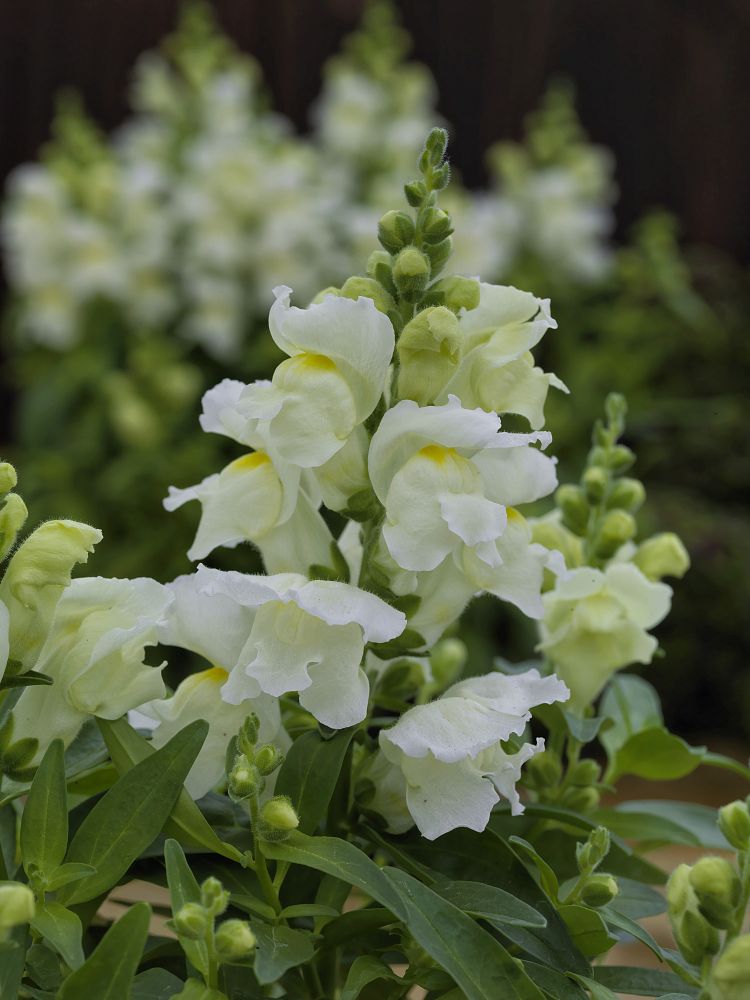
column 435, row 146
column 438, row 254
column 234, row 941
column 330, row 290
column 544, row 770
column 574, row 508
column 617, row 528
column 436, row 225
column 8, row 478
column 459, row 292
column 268, row 758
column 377, row 259
column 595, row 481
column 627, row 493
column 369, row 288
column 730, row 977
column 662, row 555
column 191, row 921
column 248, row 734
column 278, row 818
column 599, row 890
column 717, row 888
column 734, row 823
column 411, row 272
column 214, row 896
column 695, row 937
column 598, row 456
column 583, row 800
column 395, row 231
column 591, row 853
column 244, row 780
column 16, row 905
column 428, row 351
column 12, row 518
column 585, row 772
column 620, row 458
column 416, row 192
column 447, row 660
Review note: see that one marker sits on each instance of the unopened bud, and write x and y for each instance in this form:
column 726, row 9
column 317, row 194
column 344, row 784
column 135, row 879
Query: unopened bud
column 214, row 896
column 16, row 904
column 593, row 851
column 574, row 508
column 583, row 800
column 411, row 272
column 438, row 254
column 435, row 146
column 244, row 780
column 395, row 231
column 627, row 493
column 695, row 937
column 730, row 976
column 717, row 888
column 436, row 225
column 323, row 293
column 662, row 555
column 447, row 660
column 544, row 770
column 585, row 772
column 459, row 292
column 369, row 288
column 12, row 518
column 277, row 818
column 8, row 478
column 191, row 921
column 248, row 734
column 620, row 458
column 617, row 528
column 268, row 758
column 415, row 192
column 234, row 941
column 595, row 481
column 599, row 890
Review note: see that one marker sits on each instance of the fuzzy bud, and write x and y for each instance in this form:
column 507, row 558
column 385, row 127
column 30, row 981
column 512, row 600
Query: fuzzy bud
column 574, row 508
column 583, row 800
column 460, row 293
column 544, row 770
column 395, row 231
column 617, row 528
column 730, row 977
column 436, row 225
column 595, row 481
column 695, row 937
column 278, row 818
column 368, row 288
column 248, row 734
column 620, row 458
column 734, row 823
column 16, row 905
column 717, row 888
column 663, row 555
column 447, row 660
column 411, row 272
column 234, row 941
column 586, row 772
column 439, row 253
column 599, row 890
column 214, row 896
column 268, row 758
column 415, row 192
column 244, row 780
column 628, row 494
column 593, row 851
column 191, row 921
column 8, row 478
column 12, row 518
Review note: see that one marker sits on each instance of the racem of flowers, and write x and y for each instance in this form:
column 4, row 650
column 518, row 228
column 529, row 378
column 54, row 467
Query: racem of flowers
column 338, row 805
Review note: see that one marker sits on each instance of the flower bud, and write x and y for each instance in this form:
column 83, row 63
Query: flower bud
column 436, row 225
column 248, row 734
column 8, row 478
column 214, row 897
column 439, row 253
column 627, row 493
column 544, row 769
column 583, row 800
column 435, row 146
column 459, row 292
column 428, row 353
column 377, row 259
column 595, row 481
column 599, row 890
column 730, row 977
column 585, row 772
column 617, row 528
column 416, row 192
column 330, row 290
column 573, row 507
column 734, row 823
column 191, row 921
column 717, row 888
column 411, row 272
column 447, row 660
column 369, row 288
column 593, row 851
column 12, row 518
column 662, row 555
column 234, row 941
column 16, row 904
column 278, row 818
column 244, row 780
column 268, row 758
column 395, row 231
column 695, row 937
column 620, row 458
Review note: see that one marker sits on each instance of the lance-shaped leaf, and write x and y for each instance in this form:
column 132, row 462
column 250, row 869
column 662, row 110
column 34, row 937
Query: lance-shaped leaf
column 184, row 888
column 44, row 824
column 107, row 974
column 61, row 928
column 310, row 772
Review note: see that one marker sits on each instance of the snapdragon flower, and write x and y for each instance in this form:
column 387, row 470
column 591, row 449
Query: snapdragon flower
column 453, row 766
column 94, row 652
column 597, row 621
column 305, row 636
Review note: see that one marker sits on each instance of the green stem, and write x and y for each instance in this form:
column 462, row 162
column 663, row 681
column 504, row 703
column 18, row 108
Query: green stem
column 261, row 868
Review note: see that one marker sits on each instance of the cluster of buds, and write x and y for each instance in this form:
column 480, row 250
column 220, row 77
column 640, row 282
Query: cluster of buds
column 577, row 789
column 246, row 780
column 593, row 888
column 13, row 510
column 232, row 941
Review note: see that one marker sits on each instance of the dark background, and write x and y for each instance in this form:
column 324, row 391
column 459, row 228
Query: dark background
column 663, row 83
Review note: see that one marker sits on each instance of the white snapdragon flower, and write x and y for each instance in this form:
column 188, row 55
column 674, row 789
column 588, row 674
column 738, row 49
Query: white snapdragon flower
column 450, row 752
column 596, row 622
column 94, row 652
column 445, row 476
column 304, row 636
column 339, row 354
column 256, row 498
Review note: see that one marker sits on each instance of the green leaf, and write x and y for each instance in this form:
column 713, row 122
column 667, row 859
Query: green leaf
column 44, row 823
column 356, row 925
column 107, row 974
column 636, row 900
column 641, row 982
column 62, row 929
column 365, row 970
column 655, row 754
column 131, row 814
column 310, row 772
column 186, row 822
column 307, row 910
column 587, row 929
column 279, row 948
column 194, row 990
column 547, row 877
column 623, row 923
column 184, row 888
column 494, row 905
column 597, row 991
column 408, row 642
column 70, row 872
column 697, row 823
column 556, row 718
column 648, row 829
column 554, row 984
column 478, row 963
column 155, row 984
column 631, row 704
column 30, row 678
column 12, row 961
column 342, row 860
